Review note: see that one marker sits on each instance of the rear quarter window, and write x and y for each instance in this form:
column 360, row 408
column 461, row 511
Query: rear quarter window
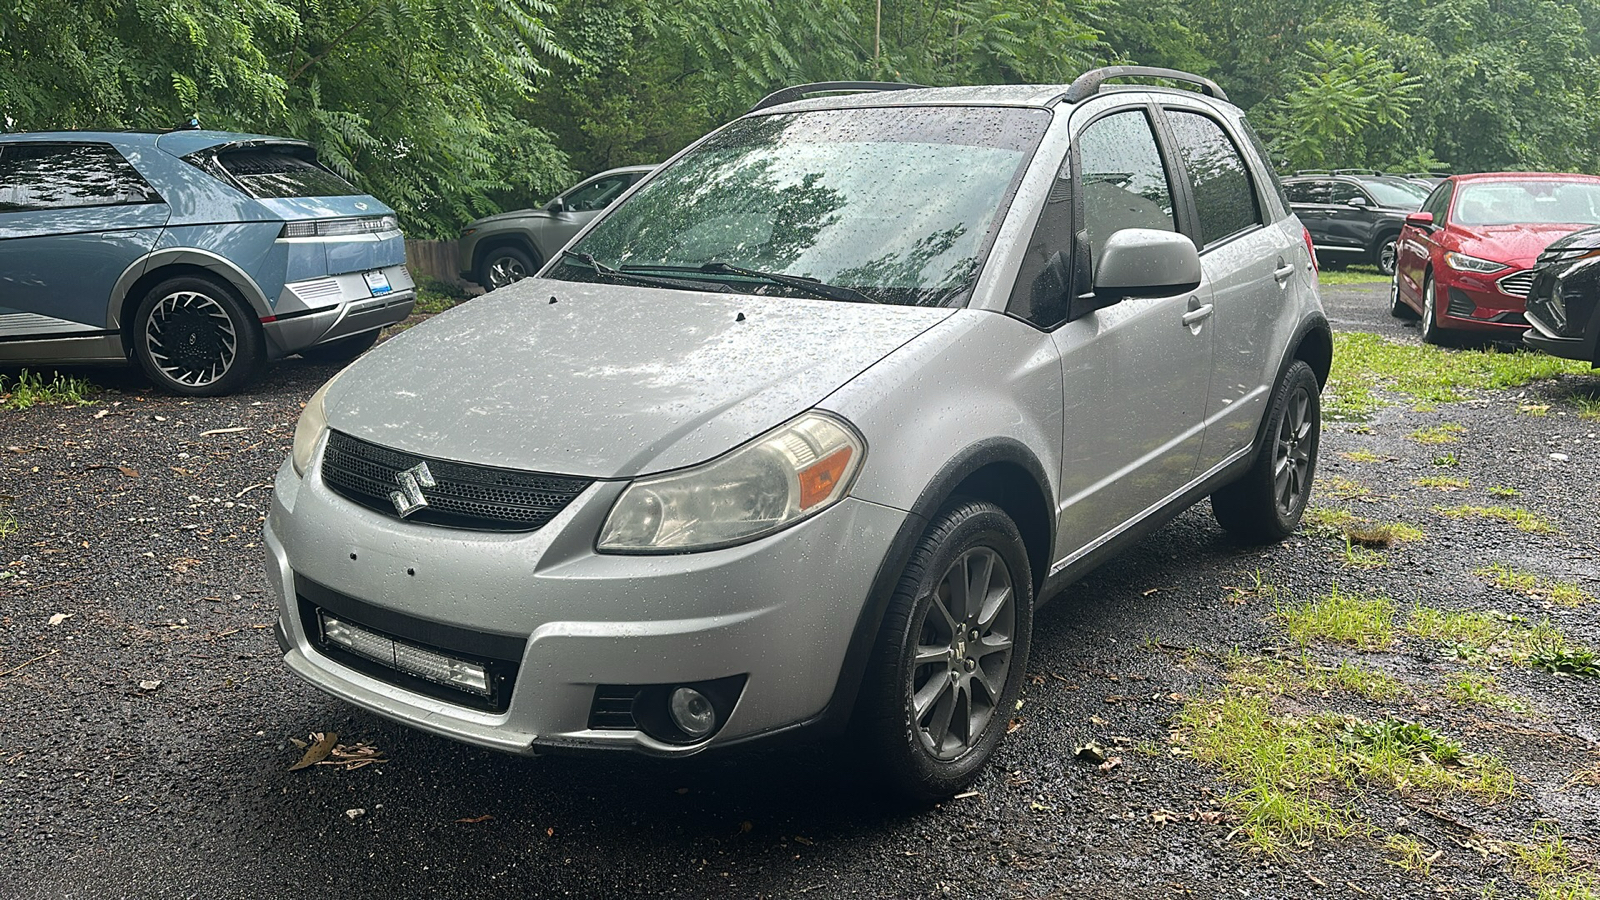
column 266, row 173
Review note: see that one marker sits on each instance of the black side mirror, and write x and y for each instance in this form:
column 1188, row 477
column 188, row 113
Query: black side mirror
column 1357, row 202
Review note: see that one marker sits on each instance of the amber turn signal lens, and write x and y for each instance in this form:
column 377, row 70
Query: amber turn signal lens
column 818, row 480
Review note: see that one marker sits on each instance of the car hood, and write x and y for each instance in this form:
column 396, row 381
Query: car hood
column 1517, row 245
column 512, row 216
column 607, row 381
column 1588, row 237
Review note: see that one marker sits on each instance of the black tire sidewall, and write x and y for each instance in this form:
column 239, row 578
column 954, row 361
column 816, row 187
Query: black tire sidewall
column 1429, row 330
column 1249, row 507
column 909, row 769
column 248, row 356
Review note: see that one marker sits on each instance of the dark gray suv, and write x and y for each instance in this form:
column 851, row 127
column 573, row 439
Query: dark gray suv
column 1354, row 218
column 798, row 435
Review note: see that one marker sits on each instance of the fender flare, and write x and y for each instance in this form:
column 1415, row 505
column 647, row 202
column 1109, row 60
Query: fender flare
column 187, row 256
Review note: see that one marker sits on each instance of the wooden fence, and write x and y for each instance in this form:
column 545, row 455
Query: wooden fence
column 435, row 259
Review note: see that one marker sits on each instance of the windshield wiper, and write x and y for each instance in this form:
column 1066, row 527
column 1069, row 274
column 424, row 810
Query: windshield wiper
column 606, row 271
column 810, row 286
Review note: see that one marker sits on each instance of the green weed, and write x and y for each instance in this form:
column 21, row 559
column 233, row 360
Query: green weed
column 29, row 388
column 1365, row 363
column 1448, row 433
column 1347, row 618
column 1443, row 483
column 1483, row 690
column 1515, row 515
column 1561, row 593
column 1500, row 490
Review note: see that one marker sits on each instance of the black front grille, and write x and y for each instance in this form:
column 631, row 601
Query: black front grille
column 463, row 495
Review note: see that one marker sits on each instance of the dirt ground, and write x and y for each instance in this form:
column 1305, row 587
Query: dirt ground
column 147, row 726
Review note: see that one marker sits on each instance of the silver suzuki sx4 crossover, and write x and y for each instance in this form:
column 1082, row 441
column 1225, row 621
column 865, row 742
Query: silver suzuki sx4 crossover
column 796, row 435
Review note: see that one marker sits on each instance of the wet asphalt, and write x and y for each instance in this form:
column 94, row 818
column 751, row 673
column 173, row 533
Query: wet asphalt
column 146, row 738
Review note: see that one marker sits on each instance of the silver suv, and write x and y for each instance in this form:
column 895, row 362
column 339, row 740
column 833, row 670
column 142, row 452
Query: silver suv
column 797, row 436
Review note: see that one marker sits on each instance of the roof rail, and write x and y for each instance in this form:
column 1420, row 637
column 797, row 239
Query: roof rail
column 791, row 94
column 1089, row 83
column 1357, row 172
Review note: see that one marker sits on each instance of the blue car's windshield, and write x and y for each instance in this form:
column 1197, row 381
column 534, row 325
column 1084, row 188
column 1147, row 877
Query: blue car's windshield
column 897, row 205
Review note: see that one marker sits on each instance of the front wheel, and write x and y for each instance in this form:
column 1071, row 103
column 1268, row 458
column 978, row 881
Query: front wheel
column 1265, row 504
column 504, row 265
column 949, row 659
column 1431, row 332
column 193, row 336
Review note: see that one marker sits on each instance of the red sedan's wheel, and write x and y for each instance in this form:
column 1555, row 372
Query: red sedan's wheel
column 1431, row 332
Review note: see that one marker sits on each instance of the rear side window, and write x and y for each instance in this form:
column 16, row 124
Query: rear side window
column 265, row 172
column 1223, row 194
column 68, row 176
column 1301, row 192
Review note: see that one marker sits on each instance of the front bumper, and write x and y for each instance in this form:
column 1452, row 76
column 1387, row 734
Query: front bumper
column 779, row 611
column 1473, row 302
column 321, row 310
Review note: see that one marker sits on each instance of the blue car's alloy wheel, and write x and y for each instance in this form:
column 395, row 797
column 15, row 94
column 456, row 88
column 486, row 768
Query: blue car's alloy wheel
column 191, row 336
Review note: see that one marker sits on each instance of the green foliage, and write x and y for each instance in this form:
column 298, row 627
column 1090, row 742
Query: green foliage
column 1343, row 104
column 30, row 388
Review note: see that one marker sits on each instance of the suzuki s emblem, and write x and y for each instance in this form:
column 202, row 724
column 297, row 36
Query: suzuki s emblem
column 360, row 205
column 409, row 498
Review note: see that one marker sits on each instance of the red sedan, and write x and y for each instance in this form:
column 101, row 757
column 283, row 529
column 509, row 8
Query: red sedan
column 1465, row 260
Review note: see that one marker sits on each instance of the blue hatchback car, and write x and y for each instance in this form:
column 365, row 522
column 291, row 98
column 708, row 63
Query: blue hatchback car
column 200, row 255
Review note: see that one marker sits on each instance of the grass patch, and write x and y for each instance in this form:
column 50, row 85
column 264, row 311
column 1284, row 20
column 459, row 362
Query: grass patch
column 1361, row 456
column 1306, row 676
column 1410, row 854
column 30, row 389
column 1491, row 635
column 1552, row 870
column 435, row 296
column 1482, row 689
column 1443, row 483
column 8, row 524
column 1560, row 659
column 1366, row 621
column 1327, row 521
column 1288, row 772
column 1537, row 410
column 1561, row 593
column 1365, row 363
column 1340, row 488
column 1514, row 515
column 1358, row 556
column 1258, row 588
column 1352, row 275
column 1500, row 490
column 1586, row 407
column 1383, row 534
column 1448, row 433
column 1446, row 461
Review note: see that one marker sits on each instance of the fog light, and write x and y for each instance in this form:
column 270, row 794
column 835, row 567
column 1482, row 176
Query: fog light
column 692, row 712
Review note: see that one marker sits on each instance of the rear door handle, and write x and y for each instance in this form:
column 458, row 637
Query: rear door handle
column 1283, row 272
column 1198, row 314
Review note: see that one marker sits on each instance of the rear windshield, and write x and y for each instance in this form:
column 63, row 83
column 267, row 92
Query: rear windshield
column 267, row 173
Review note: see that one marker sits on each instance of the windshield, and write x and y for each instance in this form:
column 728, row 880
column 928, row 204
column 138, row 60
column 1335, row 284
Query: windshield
column 1397, row 193
column 899, row 205
column 1528, row 202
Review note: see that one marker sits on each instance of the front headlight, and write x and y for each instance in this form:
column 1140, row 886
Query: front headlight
column 1464, row 263
column 310, row 427
column 788, row 474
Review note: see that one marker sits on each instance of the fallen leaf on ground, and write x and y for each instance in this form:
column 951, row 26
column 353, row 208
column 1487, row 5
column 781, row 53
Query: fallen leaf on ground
column 1111, row 763
column 131, row 473
column 1163, row 816
column 475, row 819
column 353, row 757
column 150, row 684
column 318, row 751
column 58, row 618
column 354, row 814
column 222, row 431
column 1091, row 752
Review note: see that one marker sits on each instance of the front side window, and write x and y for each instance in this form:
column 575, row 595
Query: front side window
column 1344, row 193
column 267, row 172
column 1122, row 178
column 890, row 205
column 1439, row 201
column 1223, row 194
column 596, row 194
column 68, row 176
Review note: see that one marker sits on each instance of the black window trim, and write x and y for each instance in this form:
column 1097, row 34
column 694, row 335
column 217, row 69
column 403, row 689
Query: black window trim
column 152, row 196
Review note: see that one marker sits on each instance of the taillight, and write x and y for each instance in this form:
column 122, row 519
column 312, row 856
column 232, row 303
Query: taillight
column 339, row 227
column 1311, row 249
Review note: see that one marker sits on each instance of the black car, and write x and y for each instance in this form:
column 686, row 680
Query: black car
column 1354, row 218
column 1564, row 304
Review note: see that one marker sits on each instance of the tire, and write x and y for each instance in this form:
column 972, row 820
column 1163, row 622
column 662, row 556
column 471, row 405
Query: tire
column 342, row 350
column 504, row 265
column 1430, row 332
column 1265, row 504
column 936, row 703
column 1398, row 307
column 1386, row 254
column 193, row 336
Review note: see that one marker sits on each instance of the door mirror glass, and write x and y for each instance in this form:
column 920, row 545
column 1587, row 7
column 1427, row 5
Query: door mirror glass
column 1144, row 262
column 1420, row 220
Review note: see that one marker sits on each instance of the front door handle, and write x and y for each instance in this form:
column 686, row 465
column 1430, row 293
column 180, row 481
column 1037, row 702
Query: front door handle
column 1198, row 314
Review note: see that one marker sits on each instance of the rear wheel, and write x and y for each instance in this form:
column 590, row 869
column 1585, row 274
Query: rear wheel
column 341, row 350
column 1431, row 332
column 504, row 265
column 194, row 336
column 1265, row 505
column 949, row 660
column 1386, row 253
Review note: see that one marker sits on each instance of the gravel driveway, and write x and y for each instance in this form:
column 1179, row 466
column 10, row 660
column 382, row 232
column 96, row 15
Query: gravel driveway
column 147, row 727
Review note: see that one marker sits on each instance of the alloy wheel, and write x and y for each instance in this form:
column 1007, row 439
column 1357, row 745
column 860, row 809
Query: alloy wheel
column 963, row 653
column 1291, row 456
column 1386, row 257
column 192, row 339
column 505, row 270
